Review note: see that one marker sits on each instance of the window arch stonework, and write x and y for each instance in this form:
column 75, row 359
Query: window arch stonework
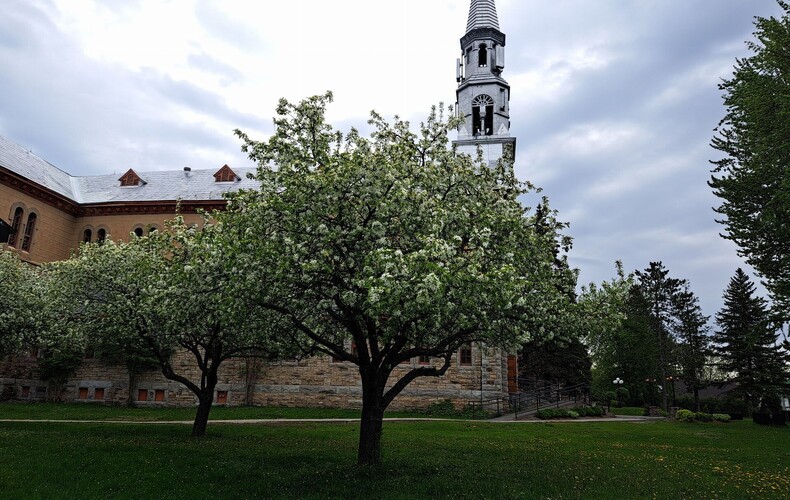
column 30, row 231
column 17, row 215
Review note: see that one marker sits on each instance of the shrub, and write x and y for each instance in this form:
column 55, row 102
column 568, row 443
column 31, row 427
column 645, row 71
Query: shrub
column 721, row 417
column 685, row 415
column 444, row 408
column 589, row 411
column 703, row 417
column 552, row 413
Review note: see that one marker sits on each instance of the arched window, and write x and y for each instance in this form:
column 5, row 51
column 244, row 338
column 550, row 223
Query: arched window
column 15, row 223
column 27, row 239
column 152, row 230
column 483, row 115
column 101, row 235
column 138, row 231
column 87, row 235
column 482, row 56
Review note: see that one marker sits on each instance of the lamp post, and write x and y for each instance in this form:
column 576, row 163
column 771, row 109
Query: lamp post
column 618, row 382
column 671, row 381
column 650, row 381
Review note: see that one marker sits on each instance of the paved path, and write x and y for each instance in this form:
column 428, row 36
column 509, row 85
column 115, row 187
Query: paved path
column 501, row 419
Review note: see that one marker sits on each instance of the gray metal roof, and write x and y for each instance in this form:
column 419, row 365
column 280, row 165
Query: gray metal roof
column 160, row 185
column 482, row 14
column 23, row 162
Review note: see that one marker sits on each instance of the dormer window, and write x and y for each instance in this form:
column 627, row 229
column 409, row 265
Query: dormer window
column 225, row 174
column 131, row 179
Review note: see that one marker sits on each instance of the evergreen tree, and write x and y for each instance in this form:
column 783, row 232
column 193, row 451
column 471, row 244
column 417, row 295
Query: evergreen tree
column 746, row 342
column 692, row 336
column 662, row 294
column 556, row 360
column 753, row 179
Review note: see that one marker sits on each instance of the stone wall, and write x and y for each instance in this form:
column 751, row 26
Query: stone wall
column 313, row 382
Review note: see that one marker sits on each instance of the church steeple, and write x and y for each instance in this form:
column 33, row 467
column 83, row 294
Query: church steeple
column 483, row 96
column 482, row 14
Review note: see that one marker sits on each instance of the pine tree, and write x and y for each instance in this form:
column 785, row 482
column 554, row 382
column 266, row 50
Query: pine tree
column 692, row 335
column 662, row 294
column 746, row 341
column 753, row 179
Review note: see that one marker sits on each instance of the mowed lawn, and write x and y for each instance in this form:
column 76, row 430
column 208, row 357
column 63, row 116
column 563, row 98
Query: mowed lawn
column 421, row 459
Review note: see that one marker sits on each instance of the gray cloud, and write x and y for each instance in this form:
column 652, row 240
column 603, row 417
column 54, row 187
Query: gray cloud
column 620, row 146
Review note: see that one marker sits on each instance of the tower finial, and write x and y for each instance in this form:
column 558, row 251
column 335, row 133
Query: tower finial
column 482, row 14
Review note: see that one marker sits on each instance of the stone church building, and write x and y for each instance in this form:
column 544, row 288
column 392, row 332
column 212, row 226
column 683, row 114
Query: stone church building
column 51, row 212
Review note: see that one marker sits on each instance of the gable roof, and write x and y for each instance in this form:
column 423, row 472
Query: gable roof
column 24, row 163
column 159, row 185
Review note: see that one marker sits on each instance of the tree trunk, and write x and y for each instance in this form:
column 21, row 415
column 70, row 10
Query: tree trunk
column 201, row 419
column 132, row 383
column 696, row 399
column 370, row 428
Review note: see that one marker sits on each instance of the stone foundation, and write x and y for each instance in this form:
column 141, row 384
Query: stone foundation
column 314, row 382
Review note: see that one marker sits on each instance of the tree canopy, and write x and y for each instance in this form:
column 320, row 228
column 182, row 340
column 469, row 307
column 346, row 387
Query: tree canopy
column 20, row 302
column 753, row 179
column 172, row 290
column 746, row 341
column 379, row 250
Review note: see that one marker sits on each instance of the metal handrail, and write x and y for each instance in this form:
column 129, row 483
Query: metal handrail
column 544, row 398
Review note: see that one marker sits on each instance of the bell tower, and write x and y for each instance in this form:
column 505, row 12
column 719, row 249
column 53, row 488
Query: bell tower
column 483, row 96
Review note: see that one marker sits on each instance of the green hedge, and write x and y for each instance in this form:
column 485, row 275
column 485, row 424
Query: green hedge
column 552, row 413
column 690, row 416
column 589, row 411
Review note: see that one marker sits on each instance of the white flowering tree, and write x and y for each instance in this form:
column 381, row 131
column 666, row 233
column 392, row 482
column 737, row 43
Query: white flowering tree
column 20, row 303
column 174, row 290
column 378, row 250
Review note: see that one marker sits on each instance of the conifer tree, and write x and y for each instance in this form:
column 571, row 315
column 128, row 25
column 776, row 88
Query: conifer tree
column 746, row 341
column 753, row 179
column 692, row 336
column 662, row 294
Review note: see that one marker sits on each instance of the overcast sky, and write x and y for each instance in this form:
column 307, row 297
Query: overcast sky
column 613, row 102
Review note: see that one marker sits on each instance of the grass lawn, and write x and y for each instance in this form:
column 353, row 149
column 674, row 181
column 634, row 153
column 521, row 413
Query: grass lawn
column 87, row 411
column 421, row 459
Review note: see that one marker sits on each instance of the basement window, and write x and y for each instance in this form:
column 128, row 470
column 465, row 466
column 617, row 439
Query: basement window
column 142, row 394
column 25, row 391
column 465, row 355
column 222, row 397
column 159, row 395
column 98, row 393
column 83, row 394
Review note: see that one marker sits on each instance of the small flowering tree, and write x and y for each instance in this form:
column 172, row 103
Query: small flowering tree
column 378, row 250
column 174, row 290
column 20, row 303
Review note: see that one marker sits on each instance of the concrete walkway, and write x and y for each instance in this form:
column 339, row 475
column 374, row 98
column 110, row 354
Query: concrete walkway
column 267, row 421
